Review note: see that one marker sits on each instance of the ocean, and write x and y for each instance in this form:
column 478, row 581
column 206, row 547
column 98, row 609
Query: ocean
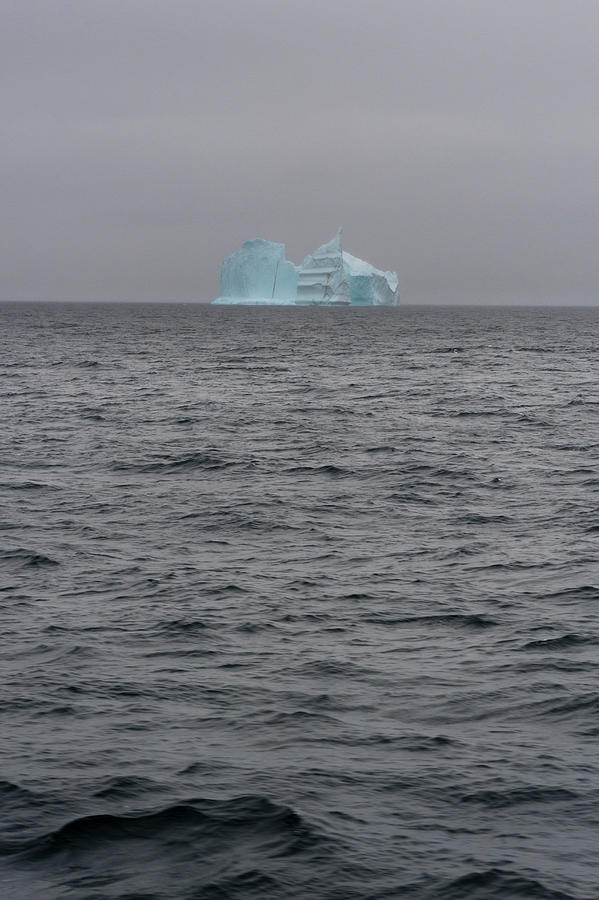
column 299, row 603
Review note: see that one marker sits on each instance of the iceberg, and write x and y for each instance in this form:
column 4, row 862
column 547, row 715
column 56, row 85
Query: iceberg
column 260, row 275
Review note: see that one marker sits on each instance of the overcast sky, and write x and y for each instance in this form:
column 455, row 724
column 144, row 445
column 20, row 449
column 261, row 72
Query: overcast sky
column 457, row 141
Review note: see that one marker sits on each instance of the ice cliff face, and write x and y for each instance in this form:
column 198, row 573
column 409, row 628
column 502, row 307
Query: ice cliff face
column 259, row 274
column 369, row 286
column 259, row 271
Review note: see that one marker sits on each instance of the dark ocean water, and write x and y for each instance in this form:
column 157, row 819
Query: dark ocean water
column 299, row 603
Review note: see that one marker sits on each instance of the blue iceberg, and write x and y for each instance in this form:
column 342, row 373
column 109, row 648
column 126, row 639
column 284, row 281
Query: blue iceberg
column 259, row 275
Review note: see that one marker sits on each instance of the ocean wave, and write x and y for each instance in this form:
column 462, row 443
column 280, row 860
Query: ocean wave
column 200, row 823
column 563, row 642
column 476, row 621
column 20, row 558
column 29, row 486
column 210, row 461
column 498, row 884
column 495, row 799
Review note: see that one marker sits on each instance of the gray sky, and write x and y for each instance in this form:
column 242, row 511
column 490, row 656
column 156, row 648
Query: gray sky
column 457, row 141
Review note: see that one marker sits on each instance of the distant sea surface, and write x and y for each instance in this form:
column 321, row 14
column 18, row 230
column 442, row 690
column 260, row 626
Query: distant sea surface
column 299, row 603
